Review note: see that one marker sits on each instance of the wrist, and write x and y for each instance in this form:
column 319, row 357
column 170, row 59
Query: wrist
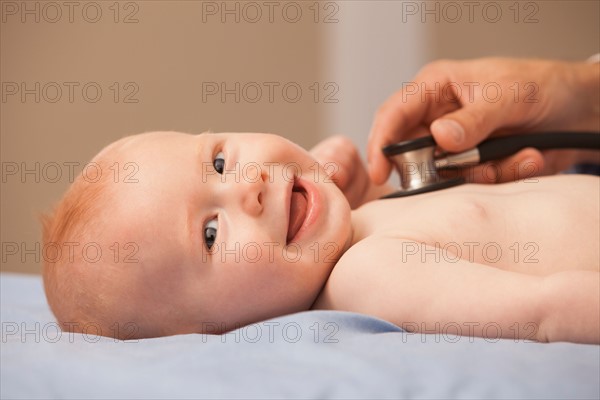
column 587, row 83
column 589, row 79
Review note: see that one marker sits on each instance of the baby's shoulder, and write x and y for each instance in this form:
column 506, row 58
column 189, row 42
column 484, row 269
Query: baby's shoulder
column 371, row 252
column 369, row 264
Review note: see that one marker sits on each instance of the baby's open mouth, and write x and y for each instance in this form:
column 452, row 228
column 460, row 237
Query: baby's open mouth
column 298, row 210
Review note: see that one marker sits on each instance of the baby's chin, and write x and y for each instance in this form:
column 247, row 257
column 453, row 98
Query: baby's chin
column 339, row 212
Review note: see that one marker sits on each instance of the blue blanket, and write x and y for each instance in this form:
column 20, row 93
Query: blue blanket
column 315, row 354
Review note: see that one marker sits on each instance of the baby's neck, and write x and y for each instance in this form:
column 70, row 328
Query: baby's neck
column 358, row 232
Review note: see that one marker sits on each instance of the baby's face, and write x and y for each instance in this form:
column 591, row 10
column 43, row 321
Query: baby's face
column 229, row 228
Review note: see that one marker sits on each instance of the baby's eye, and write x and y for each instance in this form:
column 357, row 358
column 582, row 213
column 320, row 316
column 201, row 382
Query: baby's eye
column 210, row 232
column 219, row 162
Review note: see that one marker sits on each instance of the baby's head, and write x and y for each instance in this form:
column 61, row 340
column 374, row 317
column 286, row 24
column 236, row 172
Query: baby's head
column 192, row 233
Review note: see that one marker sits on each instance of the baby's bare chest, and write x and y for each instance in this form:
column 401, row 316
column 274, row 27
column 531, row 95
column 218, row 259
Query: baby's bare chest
column 527, row 231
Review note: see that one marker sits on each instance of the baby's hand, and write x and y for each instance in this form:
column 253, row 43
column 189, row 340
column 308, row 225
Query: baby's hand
column 345, row 166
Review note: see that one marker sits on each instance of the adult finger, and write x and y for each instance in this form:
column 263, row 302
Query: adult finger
column 466, row 127
column 398, row 116
column 526, row 163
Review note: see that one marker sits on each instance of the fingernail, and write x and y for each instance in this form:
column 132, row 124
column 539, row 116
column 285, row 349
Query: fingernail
column 452, row 128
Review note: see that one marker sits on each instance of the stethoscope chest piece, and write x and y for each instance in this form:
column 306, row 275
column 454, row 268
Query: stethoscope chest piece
column 417, row 165
column 415, row 162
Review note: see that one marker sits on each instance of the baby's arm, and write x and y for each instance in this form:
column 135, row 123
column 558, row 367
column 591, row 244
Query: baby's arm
column 426, row 292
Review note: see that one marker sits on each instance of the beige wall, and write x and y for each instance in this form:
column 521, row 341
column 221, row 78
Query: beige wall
column 564, row 29
column 361, row 55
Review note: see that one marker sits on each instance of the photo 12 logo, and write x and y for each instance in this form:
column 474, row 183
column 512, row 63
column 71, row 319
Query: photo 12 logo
column 54, row 172
column 269, row 92
column 69, row 92
column 469, row 92
column 253, row 172
column 453, row 332
column 52, row 12
column 470, row 11
column 254, row 252
column 252, row 12
column 51, row 332
column 69, row 252
column 473, row 252
column 289, row 332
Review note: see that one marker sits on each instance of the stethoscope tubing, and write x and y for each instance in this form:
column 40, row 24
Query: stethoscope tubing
column 501, row 147
column 504, row 146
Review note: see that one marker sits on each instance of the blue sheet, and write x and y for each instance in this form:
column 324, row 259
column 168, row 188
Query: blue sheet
column 315, row 354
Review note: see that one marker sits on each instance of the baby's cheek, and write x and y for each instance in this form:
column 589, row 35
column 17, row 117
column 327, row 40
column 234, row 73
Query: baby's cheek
column 253, row 253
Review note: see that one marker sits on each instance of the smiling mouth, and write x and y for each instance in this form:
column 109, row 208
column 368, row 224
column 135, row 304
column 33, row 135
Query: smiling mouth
column 298, row 210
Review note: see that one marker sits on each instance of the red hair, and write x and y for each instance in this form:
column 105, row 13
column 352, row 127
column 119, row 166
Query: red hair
column 76, row 219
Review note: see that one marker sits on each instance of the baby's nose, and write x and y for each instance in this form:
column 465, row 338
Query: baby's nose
column 253, row 191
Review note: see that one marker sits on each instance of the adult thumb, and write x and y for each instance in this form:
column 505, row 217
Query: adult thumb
column 465, row 128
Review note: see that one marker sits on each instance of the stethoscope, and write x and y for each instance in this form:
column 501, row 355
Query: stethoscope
column 418, row 164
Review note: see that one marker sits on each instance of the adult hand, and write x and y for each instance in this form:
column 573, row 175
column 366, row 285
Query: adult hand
column 461, row 103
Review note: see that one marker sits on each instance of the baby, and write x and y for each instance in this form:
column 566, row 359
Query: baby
column 206, row 233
